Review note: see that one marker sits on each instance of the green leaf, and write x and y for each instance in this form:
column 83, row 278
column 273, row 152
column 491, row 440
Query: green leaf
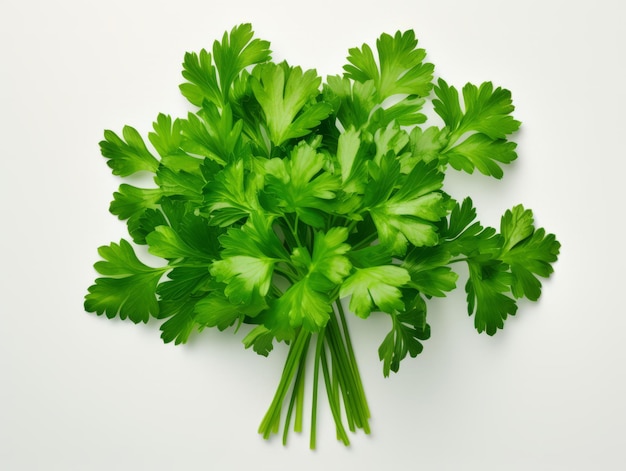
column 248, row 278
column 167, row 139
column 200, row 140
column 167, row 243
column 402, row 70
column 486, row 117
column 375, row 288
column 302, row 305
column 167, row 135
column 181, row 319
column 128, row 155
column 410, row 214
column 352, row 161
column 408, row 328
column 178, row 298
column 486, row 295
column 213, row 133
column 288, row 98
column 328, row 258
column 199, row 71
column 184, row 282
column 307, row 302
column 130, row 201
column 406, row 112
column 528, row 252
column 128, row 287
column 216, row 310
column 352, row 102
column 487, row 110
column 481, row 152
column 232, row 195
column 260, row 339
column 142, row 224
column 184, row 235
column 249, row 256
column 464, row 235
column 389, row 139
column 299, row 184
column 429, row 271
column 180, row 185
column 236, row 52
column 424, row 145
column 447, row 105
column 516, row 225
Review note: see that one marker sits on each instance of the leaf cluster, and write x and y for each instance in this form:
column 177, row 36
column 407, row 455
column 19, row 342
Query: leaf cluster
column 283, row 194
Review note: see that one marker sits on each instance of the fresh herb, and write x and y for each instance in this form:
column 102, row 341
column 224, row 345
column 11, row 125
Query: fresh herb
column 281, row 195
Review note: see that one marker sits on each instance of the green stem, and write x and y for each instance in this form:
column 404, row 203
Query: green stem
column 457, row 260
column 346, row 334
column 333, row 400
column 271, row 420
column 366, row 241
column 316, row 372
column 293, row 229
column 335, row 356
column 357, row 411
column 297, row 426
column 297, row 398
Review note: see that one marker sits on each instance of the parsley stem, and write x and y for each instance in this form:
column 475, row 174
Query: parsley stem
column 352, row 356
column 341, row 370
column 333, row 400
column 271, row 421
column 297, row 427
column 345, row 383
column 335, row 357
column 351, row 226
column 357, row 411
column 457, row 260
column 318, row 351
column 366, row 241
column 297, row 399
column 293, row 228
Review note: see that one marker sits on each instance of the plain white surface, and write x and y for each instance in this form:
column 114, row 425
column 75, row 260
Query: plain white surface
column 81, row 392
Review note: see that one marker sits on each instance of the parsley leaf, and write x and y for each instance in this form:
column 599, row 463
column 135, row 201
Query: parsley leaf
column 484, row 123
column 128, row 155
column 287, row 96
column 128, row 287
column 231, row 56
column 375, row 288
column 408, row 214
column 409, row 328
column 400, row 68
column 528, row 252
column 299, row 184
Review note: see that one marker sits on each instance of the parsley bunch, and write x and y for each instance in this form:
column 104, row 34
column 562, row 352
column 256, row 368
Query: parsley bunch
column 280, row 196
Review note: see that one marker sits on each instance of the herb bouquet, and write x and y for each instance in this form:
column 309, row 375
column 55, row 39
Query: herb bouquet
column 279, row 196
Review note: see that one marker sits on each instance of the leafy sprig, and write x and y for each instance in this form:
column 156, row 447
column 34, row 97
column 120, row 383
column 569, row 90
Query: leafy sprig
column 282, row 196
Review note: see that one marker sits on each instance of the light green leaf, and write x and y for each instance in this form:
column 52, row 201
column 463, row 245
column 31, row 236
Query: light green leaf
column 128, row 155
column 375, row 288
column 481, row 152
column 288, row 98
column 401, row 71
column 410, row 213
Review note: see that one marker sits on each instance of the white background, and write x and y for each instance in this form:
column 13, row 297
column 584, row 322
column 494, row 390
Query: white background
column 80, row 392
